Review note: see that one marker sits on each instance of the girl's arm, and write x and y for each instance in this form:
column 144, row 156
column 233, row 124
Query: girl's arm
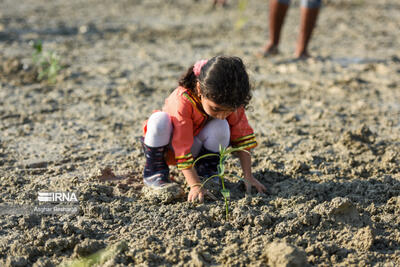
column 249, row 180
column 196, row 189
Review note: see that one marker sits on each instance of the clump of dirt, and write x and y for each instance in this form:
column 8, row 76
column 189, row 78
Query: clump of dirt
column 123, row 182
column 363, row 239
column 87, row 247
column 281, row 254
column 13, row 70
column 164, row 195
column 358, row 139
column 340, row 209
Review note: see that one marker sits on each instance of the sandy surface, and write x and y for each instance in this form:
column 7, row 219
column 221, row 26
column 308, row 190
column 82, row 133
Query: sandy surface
column 328, row 131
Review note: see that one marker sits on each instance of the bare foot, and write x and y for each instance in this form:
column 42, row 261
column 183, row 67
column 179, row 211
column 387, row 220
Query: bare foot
column 302, row 55
column 268, row 50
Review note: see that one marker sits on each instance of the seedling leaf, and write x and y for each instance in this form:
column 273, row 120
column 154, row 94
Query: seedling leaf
column 226, row 193
column 208, row 179
column 204, row 156
column 221, row 169
column 234, row 149
column 236, row 176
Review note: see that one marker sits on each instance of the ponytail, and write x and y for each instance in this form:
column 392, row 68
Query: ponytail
column 188, row 80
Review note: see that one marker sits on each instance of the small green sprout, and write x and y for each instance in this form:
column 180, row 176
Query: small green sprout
column 223, row 154
column 48, row 63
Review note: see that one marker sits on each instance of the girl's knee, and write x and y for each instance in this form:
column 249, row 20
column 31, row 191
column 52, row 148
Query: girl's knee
column 224, row 130
column 159, row 123
column 159, row 130
column 218, row 128
column 216, row 132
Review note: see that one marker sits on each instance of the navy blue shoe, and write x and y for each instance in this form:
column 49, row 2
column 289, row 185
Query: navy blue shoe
column 157, row 180
column 156, row 170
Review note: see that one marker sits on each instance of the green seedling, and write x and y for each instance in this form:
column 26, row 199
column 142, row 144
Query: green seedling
column 47, row 62
column 223, row 155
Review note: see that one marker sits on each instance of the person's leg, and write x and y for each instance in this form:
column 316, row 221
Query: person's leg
column 159, row 130
column 215, row 133
column 155, row 142
column 277, row 14
column 309, row 14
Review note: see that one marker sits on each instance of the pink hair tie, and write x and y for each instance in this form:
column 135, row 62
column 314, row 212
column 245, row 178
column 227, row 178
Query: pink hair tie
column 198, row 65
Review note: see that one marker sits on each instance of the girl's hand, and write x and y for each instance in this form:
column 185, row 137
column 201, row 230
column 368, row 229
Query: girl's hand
column 251, row 181
column 198, row 192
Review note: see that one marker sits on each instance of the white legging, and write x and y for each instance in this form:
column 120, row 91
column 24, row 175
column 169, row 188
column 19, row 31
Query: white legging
column 214, row 133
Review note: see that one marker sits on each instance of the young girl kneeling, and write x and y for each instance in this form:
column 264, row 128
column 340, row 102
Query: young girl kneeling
column 206, row 110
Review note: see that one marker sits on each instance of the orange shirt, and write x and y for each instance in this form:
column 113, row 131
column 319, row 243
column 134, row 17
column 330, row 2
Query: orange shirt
column 188, row 118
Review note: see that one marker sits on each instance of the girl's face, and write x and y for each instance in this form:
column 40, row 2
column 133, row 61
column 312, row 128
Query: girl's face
column 213, row 109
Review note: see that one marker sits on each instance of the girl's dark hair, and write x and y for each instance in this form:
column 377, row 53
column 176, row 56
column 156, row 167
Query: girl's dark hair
column 223, row 80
